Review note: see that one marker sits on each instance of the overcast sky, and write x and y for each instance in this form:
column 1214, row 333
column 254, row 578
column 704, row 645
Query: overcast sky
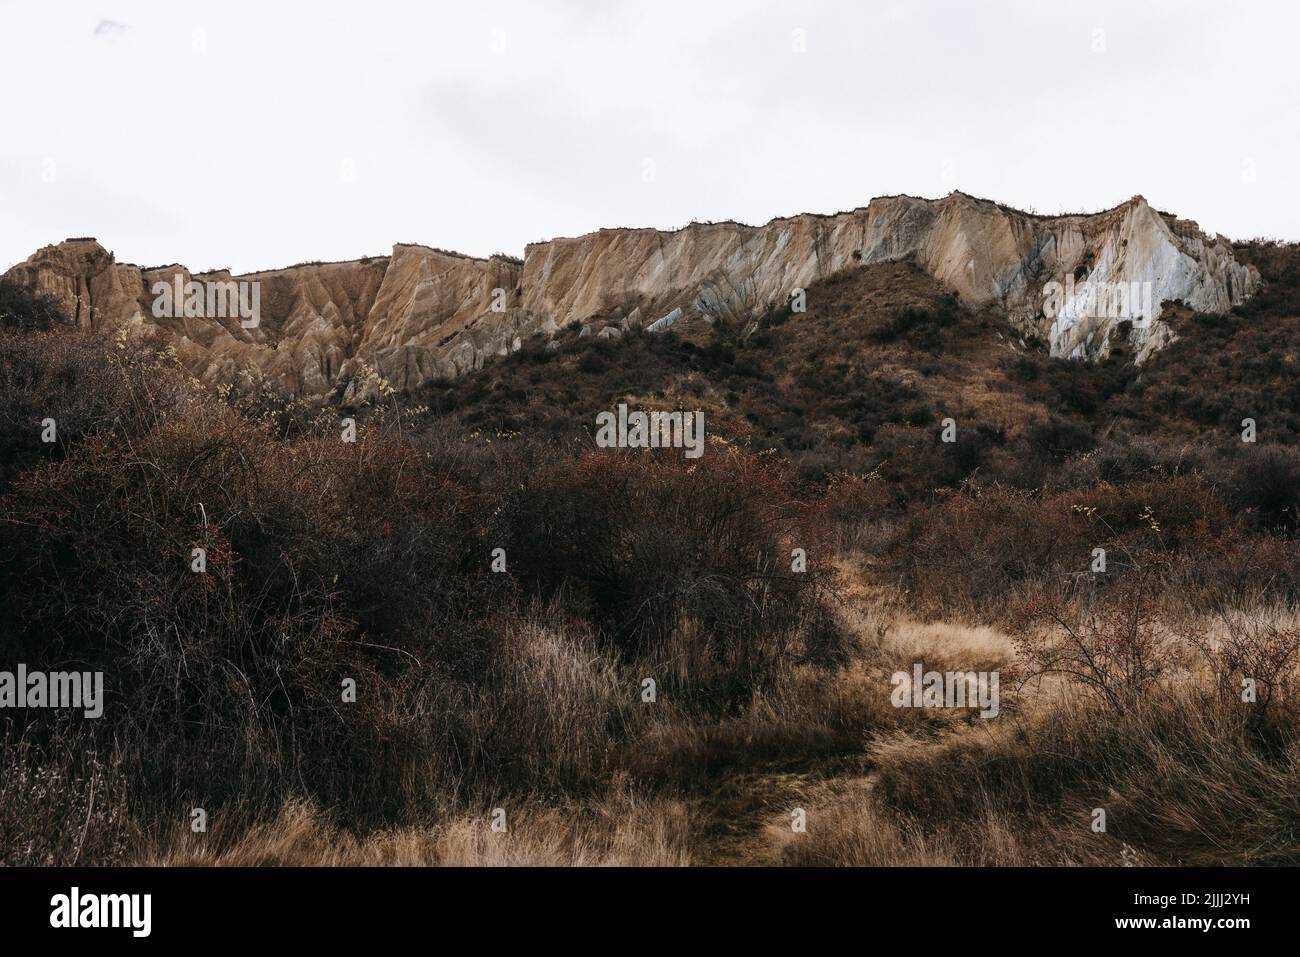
column 260, row 134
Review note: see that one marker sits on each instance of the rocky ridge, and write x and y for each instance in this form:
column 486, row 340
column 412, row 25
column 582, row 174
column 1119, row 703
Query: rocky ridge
column 345, row 329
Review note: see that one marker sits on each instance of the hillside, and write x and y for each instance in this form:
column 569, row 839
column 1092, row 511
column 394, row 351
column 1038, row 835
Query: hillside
column 860, row 381
column 497, row 590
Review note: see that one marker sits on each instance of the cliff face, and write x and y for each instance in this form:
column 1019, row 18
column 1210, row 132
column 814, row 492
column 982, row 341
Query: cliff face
column 438, row 315
column 984, row 252
column 420, row 314
column 322, row 327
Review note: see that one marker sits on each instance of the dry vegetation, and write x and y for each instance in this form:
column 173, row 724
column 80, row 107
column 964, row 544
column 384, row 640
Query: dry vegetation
column 525, row 690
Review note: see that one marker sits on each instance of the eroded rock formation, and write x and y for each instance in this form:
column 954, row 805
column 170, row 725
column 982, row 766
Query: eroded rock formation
column 422, row 313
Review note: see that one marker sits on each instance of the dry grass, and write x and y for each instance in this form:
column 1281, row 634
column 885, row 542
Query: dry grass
column 1182, row 777
column 1185, row 771
column 848, row 827
column 620, row 830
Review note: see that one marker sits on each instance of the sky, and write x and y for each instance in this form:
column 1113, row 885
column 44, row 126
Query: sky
column 255, row 135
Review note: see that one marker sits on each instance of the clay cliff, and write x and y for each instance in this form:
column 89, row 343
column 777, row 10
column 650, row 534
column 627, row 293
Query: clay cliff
column 419, row 314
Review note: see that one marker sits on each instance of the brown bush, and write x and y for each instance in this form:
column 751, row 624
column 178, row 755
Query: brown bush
column 644, row 541
column 83, row 384
column 28, row 309
column 970, row 550
column 325, row 560
column 1253, row 643
column 1115, row 649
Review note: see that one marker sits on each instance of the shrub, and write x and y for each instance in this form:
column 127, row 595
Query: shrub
column 324, row 561
column 645, row 542
column 1254, row 643
column 80, row 382
column 27, row 309
column 861, row 512
column 973, row 547
column 1057, row 438
column 926, row 328
column 1266, row 481
column 1115, row 649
